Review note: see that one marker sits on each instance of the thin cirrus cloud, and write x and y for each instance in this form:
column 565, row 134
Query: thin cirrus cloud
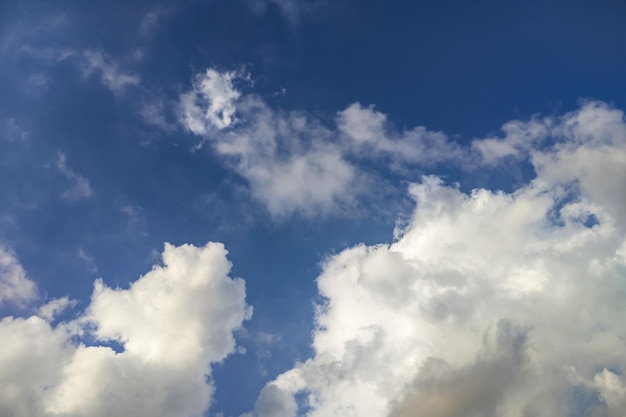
column 170, row 326
column 111, row 75
column 80, row 187
column 489, row 303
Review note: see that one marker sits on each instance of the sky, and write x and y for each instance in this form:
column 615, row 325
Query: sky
column 285, row 208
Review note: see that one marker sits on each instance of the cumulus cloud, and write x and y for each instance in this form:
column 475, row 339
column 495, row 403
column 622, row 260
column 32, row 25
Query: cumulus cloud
column 211, row 103
column 169, row 326
column 519, row 139
column 369, row 135
column 109, row 71
column 54, row 307
column 297, row 163
column 80, row 187
column 289, row 160
column 488, row 303
column 15, row 286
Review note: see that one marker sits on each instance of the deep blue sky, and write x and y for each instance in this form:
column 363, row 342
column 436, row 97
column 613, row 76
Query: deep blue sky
column 460, row 67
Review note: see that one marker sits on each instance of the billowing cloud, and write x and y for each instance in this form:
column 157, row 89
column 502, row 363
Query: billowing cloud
column 15, row 286
column 488, row 303
column 145, row 350
column 297, row 163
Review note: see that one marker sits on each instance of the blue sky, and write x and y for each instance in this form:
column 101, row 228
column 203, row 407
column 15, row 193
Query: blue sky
column 422, row 204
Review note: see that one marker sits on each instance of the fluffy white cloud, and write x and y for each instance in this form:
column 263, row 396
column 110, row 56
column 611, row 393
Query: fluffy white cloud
column 369, row 135
column 170, row 325
column 488, row 303
column 289, row 160
column 296, row 163
column 520, row 138
column 211, row 103
column 15, row 287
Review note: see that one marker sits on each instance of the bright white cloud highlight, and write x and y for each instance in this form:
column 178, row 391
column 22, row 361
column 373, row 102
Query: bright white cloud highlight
column 489, row 303
column 171, row 325
column 211, row 103
column 15, row 286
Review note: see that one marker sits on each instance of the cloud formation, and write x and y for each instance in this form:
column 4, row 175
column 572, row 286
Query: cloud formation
column 15, row 286
column 295, row 163
column 109, row 72
column 145, row 350
column 488, row 303
column 369, row 135
column 289, row 160
column 80, row 187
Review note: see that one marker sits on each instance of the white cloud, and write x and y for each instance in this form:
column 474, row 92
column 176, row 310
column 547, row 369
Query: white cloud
column 111, row 76
column 369, row 135
column 488, row 303
column 54, row 307
column 80, row 187
column 286, row 158
column 15, row 286
column 211, row 103
column 520, row 138
column 612, row 391
column 171, row 324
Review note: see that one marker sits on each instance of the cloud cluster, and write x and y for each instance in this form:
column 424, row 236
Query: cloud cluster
column 296, row 163
column 290, row 161
column 488, row 303
column 145, row 350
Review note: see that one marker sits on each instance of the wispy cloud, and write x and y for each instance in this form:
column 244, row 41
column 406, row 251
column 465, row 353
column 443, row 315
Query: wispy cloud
column 293, row 10
column 11, row 131
column 15, row 286
column 80, row 187
column 108, row 70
